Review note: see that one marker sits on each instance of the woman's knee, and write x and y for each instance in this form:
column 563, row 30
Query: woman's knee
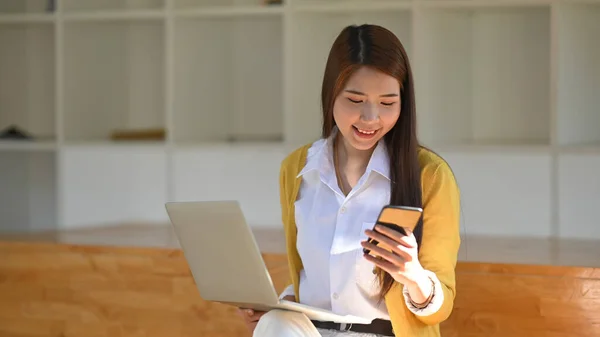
column 283, row 323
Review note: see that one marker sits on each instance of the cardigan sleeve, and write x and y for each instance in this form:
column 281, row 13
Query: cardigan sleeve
column 288, row 189
column 438, row 252
column 285, row 213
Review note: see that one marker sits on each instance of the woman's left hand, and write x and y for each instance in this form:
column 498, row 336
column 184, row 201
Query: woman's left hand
column 396, row 254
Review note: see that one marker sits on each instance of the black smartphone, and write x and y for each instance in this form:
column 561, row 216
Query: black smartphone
column 398, row 218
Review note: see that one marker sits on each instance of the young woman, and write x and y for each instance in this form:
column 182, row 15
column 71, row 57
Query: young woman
column 333, row 190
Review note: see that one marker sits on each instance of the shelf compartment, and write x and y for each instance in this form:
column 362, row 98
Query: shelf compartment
column 114, row 78
column 483, row 75
column 27, row 6
column 207, row 4
column 518, row 192
column 27, row 80
column 228, row 79
column 129, row 180
column 220, row 165
column 578, row 88
column 110, row 5
column 29, row 191
column 313, row 34
column 579, row 195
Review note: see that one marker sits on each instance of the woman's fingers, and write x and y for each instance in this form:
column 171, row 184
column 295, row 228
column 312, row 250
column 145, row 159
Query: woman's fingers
column 386, row 255
column 250, row 315
column 392, row 245
column 405, row 240
column 383, row 264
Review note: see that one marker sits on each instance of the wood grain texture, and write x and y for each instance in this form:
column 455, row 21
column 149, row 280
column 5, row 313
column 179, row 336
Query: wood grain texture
column 51, row 289
column 525, row 301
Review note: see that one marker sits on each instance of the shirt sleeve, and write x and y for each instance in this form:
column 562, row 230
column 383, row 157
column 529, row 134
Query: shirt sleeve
column 289, row 290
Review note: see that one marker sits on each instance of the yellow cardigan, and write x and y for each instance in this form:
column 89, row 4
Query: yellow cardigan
column 439, row 246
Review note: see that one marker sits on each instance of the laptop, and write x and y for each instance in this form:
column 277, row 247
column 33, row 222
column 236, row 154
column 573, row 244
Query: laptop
column 226, row 262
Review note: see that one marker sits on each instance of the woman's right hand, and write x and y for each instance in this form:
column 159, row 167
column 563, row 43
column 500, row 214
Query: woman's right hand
column 251, row 316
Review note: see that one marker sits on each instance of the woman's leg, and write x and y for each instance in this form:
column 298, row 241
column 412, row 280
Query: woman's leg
column 281, row 323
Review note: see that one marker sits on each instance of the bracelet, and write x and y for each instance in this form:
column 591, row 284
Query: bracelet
column 428, row 300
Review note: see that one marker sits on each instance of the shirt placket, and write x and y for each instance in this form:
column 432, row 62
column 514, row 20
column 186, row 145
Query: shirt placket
column 340, row 268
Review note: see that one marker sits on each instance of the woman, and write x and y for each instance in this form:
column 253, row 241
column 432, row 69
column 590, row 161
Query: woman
column 333, row 190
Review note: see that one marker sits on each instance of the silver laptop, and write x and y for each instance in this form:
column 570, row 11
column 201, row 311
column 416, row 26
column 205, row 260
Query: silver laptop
column 225, row 260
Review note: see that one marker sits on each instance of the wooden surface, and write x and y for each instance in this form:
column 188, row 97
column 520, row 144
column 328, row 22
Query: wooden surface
column 62, row 290
column 532, row 251
column 49, row 288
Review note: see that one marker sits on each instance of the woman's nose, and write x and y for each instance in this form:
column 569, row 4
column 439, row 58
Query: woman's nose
column 369, row 113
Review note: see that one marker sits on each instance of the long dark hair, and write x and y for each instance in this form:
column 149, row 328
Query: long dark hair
column 377, row 47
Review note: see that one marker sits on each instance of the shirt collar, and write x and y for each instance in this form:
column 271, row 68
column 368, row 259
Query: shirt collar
column 320, row 158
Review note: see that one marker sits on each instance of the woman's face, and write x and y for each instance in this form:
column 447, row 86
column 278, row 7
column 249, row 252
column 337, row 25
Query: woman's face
column 367, row 107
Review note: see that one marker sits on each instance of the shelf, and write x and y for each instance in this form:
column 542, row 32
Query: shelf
column 492, row 147
column 27, row 79
column 228, row 79
column 191, row 4
column 345, row 6
column 115, row 15
column 103, row 5
column 508, row 92
column 228, row 11
column 26, row 18
column 116, row 145
column 26, row 146
column 312, row 34
column 481, row 4
column 27, row 6
column 578, row 91
column 113, row 78
column 483, row 75
column 580, row 148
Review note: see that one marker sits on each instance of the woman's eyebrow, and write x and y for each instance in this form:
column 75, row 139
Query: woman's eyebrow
column 356, row 92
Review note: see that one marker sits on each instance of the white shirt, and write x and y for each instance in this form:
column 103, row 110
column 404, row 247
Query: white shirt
column 331, row 226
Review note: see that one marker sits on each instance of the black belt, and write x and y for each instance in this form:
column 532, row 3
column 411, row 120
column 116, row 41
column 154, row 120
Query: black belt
column 377, row 327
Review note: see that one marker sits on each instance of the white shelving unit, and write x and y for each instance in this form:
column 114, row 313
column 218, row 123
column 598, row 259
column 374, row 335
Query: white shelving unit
column 508, row 91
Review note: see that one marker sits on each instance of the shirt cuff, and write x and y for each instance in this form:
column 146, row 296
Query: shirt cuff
column 436, row 301
column 289, row 290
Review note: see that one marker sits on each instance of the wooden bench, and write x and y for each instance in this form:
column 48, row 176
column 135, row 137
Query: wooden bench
column 134, row 281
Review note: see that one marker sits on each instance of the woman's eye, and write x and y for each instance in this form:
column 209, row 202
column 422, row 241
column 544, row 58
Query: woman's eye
column 354, row 101
column 387, row 104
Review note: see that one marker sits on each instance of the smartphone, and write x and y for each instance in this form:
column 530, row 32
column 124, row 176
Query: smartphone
column 397, row 218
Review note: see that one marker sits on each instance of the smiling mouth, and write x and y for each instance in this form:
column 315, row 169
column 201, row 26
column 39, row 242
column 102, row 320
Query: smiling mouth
column 365, row 132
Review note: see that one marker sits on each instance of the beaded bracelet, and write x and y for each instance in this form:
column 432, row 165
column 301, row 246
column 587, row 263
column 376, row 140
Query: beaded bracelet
column 428, row 300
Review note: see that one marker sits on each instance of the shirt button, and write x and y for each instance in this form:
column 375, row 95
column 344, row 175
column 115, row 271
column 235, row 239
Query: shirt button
column 335, row 296
column 343, row 210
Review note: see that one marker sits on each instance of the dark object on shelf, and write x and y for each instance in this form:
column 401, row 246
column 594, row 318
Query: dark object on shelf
column 241, row 138
column 51, row 6
column 139, row 134
column 273, row 2
column 13, row 132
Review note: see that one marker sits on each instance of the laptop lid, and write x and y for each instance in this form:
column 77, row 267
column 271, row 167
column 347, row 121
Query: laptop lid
column 223, row 256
